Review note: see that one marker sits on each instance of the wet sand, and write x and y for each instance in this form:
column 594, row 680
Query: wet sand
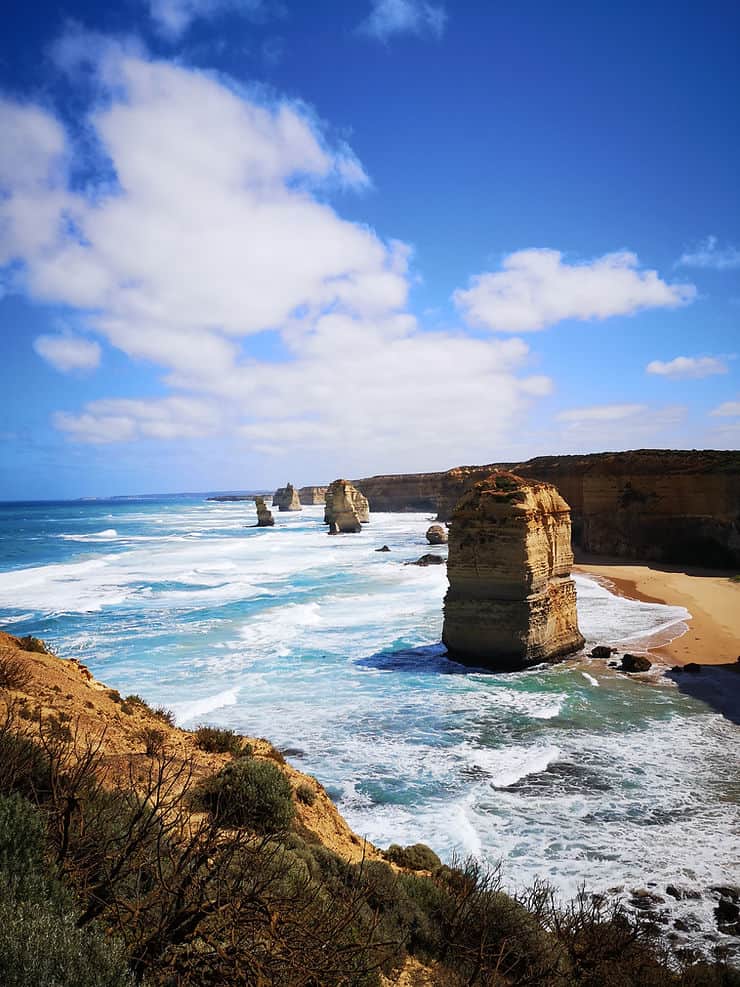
column 712, row 599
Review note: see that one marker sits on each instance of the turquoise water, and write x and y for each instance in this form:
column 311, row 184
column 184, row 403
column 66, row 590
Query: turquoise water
column 574, row 772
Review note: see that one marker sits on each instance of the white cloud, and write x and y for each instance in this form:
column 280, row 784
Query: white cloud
column 391, row 17
column 536, row 289
column 616, row 426
column 728, row 409
column 123, row 419
column 708, row 254
column 602, row 413
column 174, row 17
column 66, row 352
column 216, row 228
column 688, row 367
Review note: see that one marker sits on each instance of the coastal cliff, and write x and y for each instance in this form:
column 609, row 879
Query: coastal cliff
column 510, row 602
column 310, row 496
column 669, row 506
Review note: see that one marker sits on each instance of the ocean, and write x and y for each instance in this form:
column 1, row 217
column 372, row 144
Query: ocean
column 574, row 773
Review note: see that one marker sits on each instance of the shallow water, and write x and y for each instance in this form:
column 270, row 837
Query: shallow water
column 573, row 772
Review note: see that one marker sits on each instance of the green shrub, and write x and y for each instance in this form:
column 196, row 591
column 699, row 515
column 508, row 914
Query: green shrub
column 418, row 856
column 251, row 793
column 218, row 740
column 305, row 794
column 30, row 643
column 22, row 836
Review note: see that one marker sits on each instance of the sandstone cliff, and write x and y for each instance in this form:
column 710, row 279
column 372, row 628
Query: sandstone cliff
column 264, row 515
column 671, row 506
column 312, row 495
column 510, row 602
column 346, row 508
column 286, row 498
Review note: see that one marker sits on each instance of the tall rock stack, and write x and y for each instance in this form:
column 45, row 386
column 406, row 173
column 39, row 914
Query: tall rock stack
column 346, row 508
column 286, row 498
column 510, row 602
column 264, row 515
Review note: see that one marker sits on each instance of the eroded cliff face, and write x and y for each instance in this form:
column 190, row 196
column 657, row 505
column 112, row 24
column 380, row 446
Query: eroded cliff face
column 286, row 498
column 671, row 506
column 346, row 508
column 312, row 495
column 510, row 602
column 264, row 515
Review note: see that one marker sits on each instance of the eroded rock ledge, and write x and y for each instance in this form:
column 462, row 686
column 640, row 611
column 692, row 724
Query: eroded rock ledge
column 510, row 602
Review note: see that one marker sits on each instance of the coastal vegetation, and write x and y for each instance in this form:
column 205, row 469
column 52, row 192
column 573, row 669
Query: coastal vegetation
column 120, row 866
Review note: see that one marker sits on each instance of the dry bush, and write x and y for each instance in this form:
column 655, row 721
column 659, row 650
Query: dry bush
column 15, row 673
column 154, row 740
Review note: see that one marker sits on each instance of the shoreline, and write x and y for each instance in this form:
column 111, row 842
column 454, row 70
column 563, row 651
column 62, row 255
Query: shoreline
column 712, row 635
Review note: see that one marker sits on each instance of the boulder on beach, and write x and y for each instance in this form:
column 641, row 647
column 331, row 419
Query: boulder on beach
column 429, row 559
column 635, row 663
column 437, row 535
column 601, row 651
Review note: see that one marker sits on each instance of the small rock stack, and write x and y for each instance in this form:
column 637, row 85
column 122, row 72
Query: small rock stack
column 346, row 508
column 286, row 498
column 264, row 515
column 510, row 602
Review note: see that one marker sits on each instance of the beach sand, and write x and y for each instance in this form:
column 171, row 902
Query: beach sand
column 712, row 599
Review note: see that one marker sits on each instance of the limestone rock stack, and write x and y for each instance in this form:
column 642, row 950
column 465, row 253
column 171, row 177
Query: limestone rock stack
column 264, row 515
column 346, row 508
column 510, row 601
column 286, row 498
column 312, row 495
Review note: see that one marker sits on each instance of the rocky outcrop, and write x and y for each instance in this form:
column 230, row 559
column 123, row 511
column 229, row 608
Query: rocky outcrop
column 667, row 505
column 510, row 601
column 286, row 498
column 437, row 535
column 310, row 496
column 264, row 515
column 346, row 508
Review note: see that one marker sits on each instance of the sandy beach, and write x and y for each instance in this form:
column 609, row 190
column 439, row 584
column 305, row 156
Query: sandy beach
column 712, row 599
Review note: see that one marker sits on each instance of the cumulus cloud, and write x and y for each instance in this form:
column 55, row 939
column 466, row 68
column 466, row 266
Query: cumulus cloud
column 687, row 367
column 536, row 288
column 392, row 17
column 709, row 254
column 728, row 409
column 214, row 225
column 174, row 17
column 67, row 352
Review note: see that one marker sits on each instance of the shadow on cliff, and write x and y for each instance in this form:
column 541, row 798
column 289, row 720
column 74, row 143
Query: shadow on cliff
column 716, row 685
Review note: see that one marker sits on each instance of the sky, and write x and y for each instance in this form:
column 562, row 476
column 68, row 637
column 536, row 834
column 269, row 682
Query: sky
column 245, row 242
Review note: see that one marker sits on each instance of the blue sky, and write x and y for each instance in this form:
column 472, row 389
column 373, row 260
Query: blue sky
column 246, row 241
